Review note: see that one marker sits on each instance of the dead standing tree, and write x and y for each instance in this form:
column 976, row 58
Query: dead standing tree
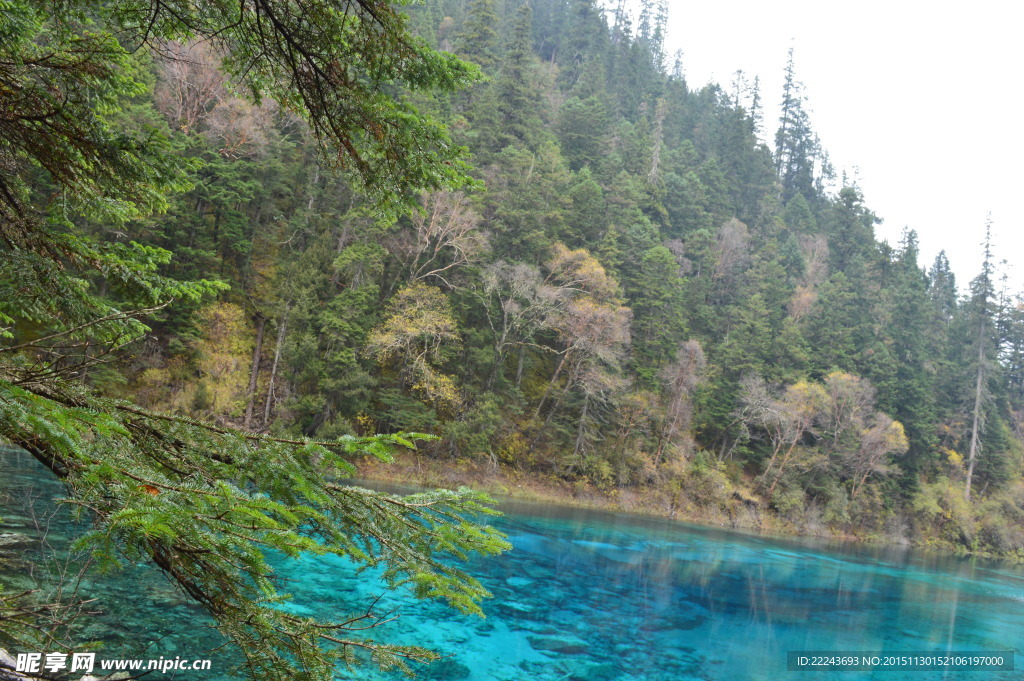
column 443, row 237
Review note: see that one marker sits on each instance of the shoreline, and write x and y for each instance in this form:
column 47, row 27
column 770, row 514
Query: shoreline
column 742, row 513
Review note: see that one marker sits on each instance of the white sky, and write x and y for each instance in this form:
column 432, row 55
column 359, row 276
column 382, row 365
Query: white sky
column 922, row 102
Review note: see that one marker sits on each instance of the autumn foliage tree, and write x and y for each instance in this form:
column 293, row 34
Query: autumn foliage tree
column 833, row 424
column 413, row 338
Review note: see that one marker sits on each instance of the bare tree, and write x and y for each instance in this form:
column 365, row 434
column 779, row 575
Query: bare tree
column 679, row 379
column 982, row 286
column 882, row 438
column 732, row 248
column 196, row 96
column 678, row 250
column 443, row 237
column 241, row 129
column 518, row 304
column 814, row 249
column 787, row 419
column 590, row 333
column 831, row 424
column 190, row 83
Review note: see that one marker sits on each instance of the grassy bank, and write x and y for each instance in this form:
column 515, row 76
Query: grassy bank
column 734, row 508
column 702, row 499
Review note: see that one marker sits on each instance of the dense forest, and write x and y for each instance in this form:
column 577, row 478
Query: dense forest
column 646, row 287
column 85, row 161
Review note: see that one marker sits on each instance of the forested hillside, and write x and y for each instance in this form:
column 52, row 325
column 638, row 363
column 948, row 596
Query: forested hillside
column 637, row 293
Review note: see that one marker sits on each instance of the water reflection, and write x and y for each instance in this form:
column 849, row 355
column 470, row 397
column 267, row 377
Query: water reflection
column 589, row 596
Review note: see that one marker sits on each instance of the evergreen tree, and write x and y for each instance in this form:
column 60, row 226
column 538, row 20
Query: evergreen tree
column 908, row 393
column 659, row 326
column 983, row 322
column 465, row 316
column 583, row 129
column 478, row 40
column 517, row 98
column 796, row 147
column 581, row 41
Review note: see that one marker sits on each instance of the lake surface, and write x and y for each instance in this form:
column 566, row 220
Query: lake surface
column 590, row 596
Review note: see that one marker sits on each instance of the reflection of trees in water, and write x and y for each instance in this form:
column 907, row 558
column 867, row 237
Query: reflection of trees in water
column 853, row 595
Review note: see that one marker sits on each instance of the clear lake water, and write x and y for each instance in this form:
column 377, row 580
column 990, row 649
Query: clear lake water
column 592, row 596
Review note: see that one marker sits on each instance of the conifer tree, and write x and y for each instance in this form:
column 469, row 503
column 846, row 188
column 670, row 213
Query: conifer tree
column 583, row 33
column 517, row 98
column 796, row 146
column 478, row 40
column 982, row 300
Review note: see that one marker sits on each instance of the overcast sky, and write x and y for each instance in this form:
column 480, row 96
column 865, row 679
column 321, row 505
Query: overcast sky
column 921, row 101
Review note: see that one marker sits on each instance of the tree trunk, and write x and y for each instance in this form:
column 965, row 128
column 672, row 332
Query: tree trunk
column 312, row 192
column 671, row 426
column 281, row 330
column 558, row 403
column 858, row 485
column 979, row 383
column 782, row 466
column 581, row 432
column 499, row 360
column 551, row 384
column 254, row 371
column 972, row 457
column 777, row 445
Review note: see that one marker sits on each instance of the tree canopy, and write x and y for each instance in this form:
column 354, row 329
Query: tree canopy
column 82, row 172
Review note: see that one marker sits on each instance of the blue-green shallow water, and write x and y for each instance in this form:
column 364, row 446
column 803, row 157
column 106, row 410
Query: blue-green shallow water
column 591, row 596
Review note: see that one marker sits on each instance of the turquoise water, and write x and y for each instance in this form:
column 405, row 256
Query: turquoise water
column 589, row 596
